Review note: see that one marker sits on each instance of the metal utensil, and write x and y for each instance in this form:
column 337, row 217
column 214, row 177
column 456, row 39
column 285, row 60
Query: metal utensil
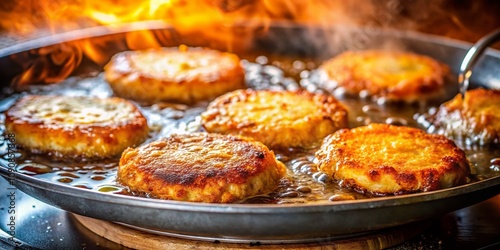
column 471, row 58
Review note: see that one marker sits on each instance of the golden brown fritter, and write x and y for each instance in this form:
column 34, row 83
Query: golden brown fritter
column 475, row 119
column 279, row 119
column 174, row 74
column 385, row 159
column 201, row 167
column 395, row 76
column 66, row 126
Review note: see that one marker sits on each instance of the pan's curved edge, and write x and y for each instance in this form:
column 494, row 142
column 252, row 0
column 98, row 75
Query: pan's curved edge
column 91, row 32
column 407, row 199
column 99, row 31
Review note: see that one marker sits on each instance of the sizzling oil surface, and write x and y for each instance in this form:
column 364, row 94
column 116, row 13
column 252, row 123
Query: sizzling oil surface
column 305, row 184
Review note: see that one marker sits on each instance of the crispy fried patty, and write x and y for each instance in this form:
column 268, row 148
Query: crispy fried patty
column 475, row 118
column 395, row 76
column 174, row 74
column 201, row 167
column 385, row 159
column 65, row 126
column 279, row 119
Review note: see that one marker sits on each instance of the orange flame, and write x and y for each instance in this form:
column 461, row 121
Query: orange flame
column 27, row 16
column 49, row 64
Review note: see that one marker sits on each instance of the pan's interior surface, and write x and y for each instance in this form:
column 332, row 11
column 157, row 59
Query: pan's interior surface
column 285, row 57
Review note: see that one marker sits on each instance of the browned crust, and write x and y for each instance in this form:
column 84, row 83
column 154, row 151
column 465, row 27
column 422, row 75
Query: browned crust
column 396, row 76
column 476, row 119
column 279, row 119
column 135, row 79
column 87, row 141
column 201, row 167
column 384, row 159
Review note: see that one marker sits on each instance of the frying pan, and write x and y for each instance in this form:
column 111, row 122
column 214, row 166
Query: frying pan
column 265, row 223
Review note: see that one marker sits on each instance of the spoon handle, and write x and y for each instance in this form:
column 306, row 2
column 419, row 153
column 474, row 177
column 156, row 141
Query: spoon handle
column 472, row 56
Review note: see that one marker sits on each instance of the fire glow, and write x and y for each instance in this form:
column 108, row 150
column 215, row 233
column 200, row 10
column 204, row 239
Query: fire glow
column 26, row 16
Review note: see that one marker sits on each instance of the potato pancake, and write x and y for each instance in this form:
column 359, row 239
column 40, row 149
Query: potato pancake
column 180, row 75
column 395, row 76
column 68, row 126
column 384, row 159
column 201, row 167
column 279, row 119
column 475, row 119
